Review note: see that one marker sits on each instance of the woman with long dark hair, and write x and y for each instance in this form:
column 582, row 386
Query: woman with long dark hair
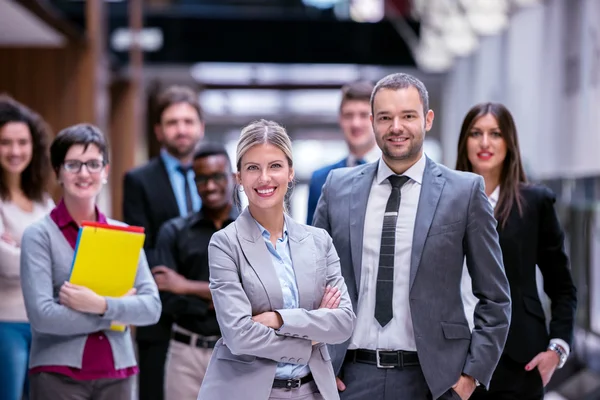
column 24, row 172
column 530, row 235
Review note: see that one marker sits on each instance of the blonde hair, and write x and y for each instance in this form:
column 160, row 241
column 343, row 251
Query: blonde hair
column 263, row 132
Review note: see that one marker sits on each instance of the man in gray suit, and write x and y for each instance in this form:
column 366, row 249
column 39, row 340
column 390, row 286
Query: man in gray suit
column 402, row 227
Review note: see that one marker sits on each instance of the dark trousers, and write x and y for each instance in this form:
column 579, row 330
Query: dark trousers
column 367, row 382
column 51, row 386
column 511, row 382
column 152, row 356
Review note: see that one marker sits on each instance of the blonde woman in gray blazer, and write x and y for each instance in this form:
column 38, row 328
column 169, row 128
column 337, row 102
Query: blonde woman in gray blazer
column 277, row 287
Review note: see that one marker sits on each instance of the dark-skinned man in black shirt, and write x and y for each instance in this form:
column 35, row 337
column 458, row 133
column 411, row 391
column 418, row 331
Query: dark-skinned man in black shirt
column 182, row 249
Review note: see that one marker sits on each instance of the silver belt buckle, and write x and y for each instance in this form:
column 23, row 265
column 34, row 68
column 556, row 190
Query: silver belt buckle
column 378, row 358
column 293, row 383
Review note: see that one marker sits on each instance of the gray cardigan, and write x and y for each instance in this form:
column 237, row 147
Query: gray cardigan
column 58, row 332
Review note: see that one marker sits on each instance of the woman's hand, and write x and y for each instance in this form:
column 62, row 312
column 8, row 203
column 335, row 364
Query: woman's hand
column 7, row 238
column 269, row 319
column 332, row 297
column 546, row 362
column 80, row 298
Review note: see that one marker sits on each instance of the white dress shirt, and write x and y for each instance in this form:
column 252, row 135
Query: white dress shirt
column 398, row 334
column 469, row 299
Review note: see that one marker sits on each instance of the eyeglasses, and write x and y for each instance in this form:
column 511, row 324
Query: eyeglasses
column 217, row 178
column 74, row 166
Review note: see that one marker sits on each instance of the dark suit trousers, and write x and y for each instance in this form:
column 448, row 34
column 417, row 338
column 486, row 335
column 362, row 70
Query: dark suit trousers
column 152, row 356
column 367, row 382
column 50, row 386
column 511, row 382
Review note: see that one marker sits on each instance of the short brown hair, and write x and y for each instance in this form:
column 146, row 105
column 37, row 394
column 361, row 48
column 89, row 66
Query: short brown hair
column 175, row 95
column 402, row 81
column 356, row 91
column 80, row 134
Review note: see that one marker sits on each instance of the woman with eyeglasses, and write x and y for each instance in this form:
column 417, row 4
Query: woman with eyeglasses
column 24, row 166
column 74, row 354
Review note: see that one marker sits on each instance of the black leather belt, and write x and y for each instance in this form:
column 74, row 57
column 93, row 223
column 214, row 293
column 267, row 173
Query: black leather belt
column 201, row 342
column 292, row 383
column 383, row 358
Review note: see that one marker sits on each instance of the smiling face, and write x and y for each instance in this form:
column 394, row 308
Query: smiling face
column 265, row 174
column 81, row 181
column 16, row 147
column 486, row 147
column 399, row 124
column 214, row 181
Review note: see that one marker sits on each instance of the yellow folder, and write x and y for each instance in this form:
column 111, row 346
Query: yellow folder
column 106, row 258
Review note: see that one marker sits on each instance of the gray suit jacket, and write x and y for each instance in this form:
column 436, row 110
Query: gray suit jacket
column 243, row 283
column 454, row 219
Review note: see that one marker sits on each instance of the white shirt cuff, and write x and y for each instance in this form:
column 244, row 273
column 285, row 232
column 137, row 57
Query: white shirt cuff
column 562, row 344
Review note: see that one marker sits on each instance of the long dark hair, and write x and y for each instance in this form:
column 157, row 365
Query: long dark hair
column 512, row 175
column 35, row 178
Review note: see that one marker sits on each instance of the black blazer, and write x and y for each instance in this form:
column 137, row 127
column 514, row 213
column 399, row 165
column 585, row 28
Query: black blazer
column 536, row 238
column 149, row 201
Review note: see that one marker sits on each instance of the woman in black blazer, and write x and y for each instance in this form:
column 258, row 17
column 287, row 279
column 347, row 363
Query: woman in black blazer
column 530, row 234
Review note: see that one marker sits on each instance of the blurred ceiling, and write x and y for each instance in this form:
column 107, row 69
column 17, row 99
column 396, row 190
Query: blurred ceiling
column 271, row 31
column 30, row 24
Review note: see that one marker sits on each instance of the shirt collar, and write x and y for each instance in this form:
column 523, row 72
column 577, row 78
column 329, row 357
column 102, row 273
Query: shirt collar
column 415, row 172
column 63, row 218
column 267, row 235
column 371, row 156
column 171, row 163
column 199, row 216
column 495, row 196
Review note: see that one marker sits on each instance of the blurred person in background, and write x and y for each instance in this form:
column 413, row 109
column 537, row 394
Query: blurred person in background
column 74, row 354
column 162, row 189
column 358, row 134
column 276, row 285
column 25, row 172
column 530, row 235
column 182, row 277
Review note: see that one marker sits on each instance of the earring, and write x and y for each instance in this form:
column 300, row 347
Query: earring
column 104, row 181
column 241, row 188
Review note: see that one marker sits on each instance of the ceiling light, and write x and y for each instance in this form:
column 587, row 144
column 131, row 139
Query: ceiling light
column 458, row 36
column 367, row 10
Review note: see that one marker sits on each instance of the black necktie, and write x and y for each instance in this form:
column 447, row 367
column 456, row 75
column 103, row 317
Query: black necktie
column 189, row 205
column 385, row 274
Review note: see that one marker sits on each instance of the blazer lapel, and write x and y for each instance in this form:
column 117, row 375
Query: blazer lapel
column 431, row 190
column 303, row 257
column 258, row 257
column 361, row 187
column 166, row 191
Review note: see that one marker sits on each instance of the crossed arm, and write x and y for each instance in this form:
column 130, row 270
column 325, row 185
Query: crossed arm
column 263, row 335
column 79, row 310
